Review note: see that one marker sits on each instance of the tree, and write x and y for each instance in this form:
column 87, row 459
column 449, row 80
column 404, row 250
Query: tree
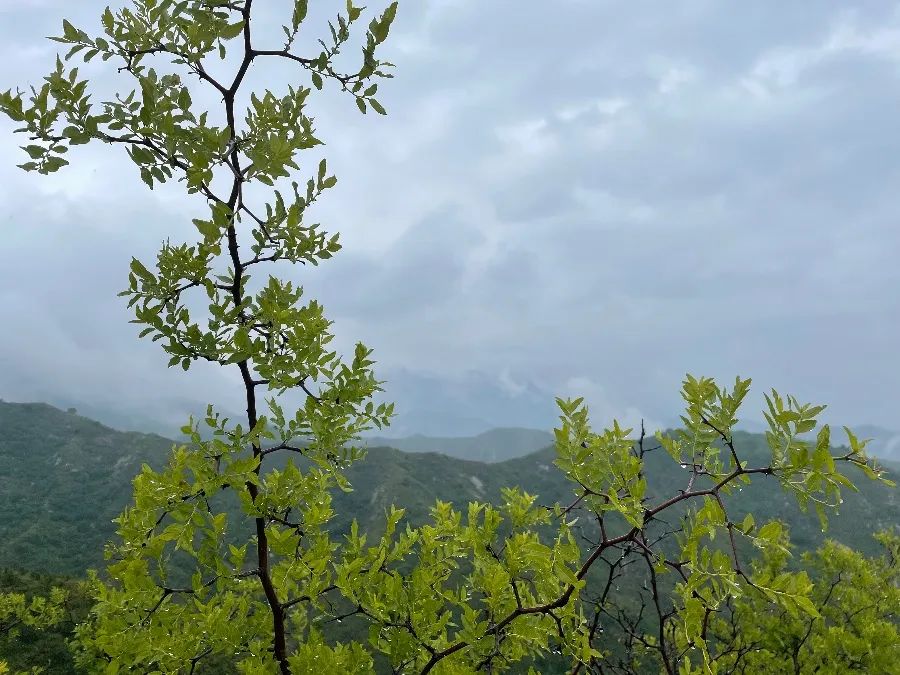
column 18, row 613
column 226, row 554
column 855, row 629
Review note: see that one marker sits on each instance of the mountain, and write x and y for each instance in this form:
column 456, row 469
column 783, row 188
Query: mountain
column 63, row 478
column 504, row 443
column 453, row 419
column 496, row 445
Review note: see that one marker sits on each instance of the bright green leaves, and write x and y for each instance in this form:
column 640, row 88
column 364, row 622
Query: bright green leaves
column 366, row 97
column 13, row 107
column 157, row 301
column 609, row 473
column 420, row 597
column 809, row 470
column 518, row 507
column 293, row 338
column 322, row 182
column 276, row 130
column 61, row 96
column 320, row 67
column 231, row 31
column 710, row 415
column 378, row 28
column 315, row 657
column 37, row 612
column 178, row 593
column 281, row 235
column 184, row 33
column 840, row 619
column 609, row 468
column 770, row 533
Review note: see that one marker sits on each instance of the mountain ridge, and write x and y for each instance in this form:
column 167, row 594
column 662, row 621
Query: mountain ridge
column 65, row 477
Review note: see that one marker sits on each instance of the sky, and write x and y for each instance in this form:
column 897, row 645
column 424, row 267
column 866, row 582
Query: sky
column 590, row 200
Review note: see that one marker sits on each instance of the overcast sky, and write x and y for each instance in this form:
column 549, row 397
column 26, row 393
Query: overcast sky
column 571, row 198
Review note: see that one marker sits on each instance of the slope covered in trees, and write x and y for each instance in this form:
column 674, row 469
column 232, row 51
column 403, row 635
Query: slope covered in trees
column 67, row 477
column 75, row 467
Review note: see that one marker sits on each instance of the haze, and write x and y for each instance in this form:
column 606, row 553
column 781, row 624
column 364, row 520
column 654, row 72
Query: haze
column 585, row 200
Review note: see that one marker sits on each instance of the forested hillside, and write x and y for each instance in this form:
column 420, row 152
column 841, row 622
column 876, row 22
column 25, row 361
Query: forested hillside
column 65, row 477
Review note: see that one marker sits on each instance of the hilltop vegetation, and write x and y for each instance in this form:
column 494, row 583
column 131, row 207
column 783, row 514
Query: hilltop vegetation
column 63, row 469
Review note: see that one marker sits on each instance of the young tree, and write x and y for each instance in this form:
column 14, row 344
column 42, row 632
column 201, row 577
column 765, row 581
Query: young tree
column 260, row 584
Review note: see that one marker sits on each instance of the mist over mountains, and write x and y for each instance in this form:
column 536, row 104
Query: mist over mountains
column 428, row 404
column 511, row 424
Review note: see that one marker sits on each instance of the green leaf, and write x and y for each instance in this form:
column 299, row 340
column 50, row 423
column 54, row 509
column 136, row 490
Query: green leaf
column 300, row 9
column 34, row 151
column 69, row 31
column 353, row 12
column 361, row 104
column 380, row 27
column 207, row 228
column 748, row 523
column 138, row 268
column 107, row 18
column 377, row 106
column 54, row 163
column 807, row 606
column 771, row 531
column 231, row 31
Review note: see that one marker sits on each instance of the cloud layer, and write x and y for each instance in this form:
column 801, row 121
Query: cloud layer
column 589, row 201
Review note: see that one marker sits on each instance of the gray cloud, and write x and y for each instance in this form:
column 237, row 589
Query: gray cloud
column 589, row 201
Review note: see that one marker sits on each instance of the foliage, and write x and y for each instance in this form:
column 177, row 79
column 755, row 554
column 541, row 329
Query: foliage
column 71, row 476
column 855, row 627
column 37, row 614
column 465, row 592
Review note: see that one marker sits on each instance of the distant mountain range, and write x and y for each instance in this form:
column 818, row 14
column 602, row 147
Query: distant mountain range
column 496, row 445
column 63, row 478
